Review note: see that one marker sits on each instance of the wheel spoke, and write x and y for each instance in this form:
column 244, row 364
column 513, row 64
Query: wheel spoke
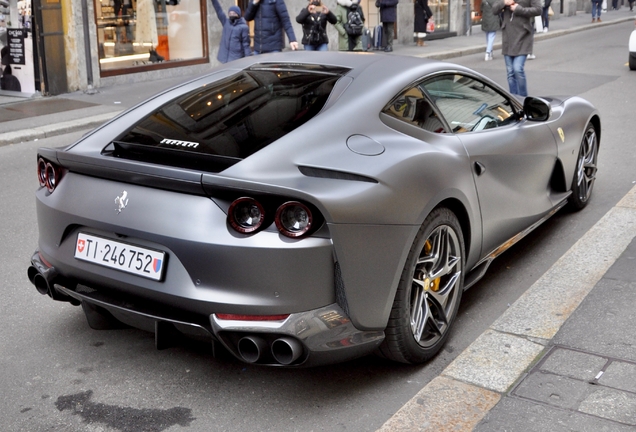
column 419, row 312
column 445, row 292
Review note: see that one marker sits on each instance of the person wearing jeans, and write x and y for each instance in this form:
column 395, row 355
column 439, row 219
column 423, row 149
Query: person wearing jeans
column 545, row 16
column 489, row 24
column 596, row 10
column 516, row 74
column 517, row 38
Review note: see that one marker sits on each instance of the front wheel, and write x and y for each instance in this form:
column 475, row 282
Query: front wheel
column 585, row 173
column 429, row 292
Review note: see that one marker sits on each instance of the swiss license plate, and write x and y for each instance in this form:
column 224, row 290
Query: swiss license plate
column 121, row 256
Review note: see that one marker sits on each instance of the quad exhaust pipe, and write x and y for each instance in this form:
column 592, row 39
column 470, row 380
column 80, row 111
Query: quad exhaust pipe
column 285, row 350
column 42, row 275
column 252, row 348
column 41, row 278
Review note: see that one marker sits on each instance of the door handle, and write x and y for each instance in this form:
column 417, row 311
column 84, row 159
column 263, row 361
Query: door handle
column 479, row 168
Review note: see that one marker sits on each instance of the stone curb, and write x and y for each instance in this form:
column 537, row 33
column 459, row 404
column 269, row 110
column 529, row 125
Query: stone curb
column 476, row 380
column 50, row 130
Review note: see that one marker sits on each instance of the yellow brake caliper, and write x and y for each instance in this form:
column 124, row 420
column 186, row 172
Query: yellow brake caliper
column 433, row 285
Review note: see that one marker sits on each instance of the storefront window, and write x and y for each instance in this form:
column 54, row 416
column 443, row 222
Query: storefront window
column 133, row 33
column 475, row 14
column 441, row 14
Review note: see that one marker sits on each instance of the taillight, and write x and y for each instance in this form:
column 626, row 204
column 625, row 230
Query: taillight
column 48, row 174
column 246, row 215
column 293, row 219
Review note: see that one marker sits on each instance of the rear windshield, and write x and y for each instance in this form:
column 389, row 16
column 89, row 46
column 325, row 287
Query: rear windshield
column 232, row 118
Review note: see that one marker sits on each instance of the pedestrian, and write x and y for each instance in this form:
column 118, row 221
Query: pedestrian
column 235, row 38
column 596, row 10
column 314, row 19
column 422, row 13
column 270, row 19
column 8, row 81
column 517, row 38
column 545, row 15
column 346, row 12
column 614, row 4
column 631, row 5
column 490, row 23
column 388, row 16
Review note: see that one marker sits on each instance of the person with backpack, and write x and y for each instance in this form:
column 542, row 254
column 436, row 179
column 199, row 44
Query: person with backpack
column 270, row 18
column 314, row 19
column 388, row 16
column 350, row 25
column 235, row 38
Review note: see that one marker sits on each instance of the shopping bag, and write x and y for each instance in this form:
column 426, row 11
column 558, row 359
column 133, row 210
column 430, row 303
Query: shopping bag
column 430, row 26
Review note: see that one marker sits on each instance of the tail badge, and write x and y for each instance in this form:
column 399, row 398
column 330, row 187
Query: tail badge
column 121, row 201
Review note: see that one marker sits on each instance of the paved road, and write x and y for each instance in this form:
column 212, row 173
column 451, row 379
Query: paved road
column 51, row 362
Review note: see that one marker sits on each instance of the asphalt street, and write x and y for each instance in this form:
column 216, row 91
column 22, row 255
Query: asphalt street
column 59, row 375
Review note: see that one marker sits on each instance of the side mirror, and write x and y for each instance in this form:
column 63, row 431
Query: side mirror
column 536, row 109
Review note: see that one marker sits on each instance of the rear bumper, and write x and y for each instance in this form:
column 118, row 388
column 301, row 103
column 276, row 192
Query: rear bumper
column 320, row 336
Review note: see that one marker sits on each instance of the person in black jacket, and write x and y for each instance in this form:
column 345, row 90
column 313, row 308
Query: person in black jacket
column 422, row 14
column 388, row 16
column 314, row 19
column 270, row 17
column 545, row 17
column 8, row 81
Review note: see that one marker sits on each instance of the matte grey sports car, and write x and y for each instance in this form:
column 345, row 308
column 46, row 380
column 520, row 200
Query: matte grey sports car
column 306, row 208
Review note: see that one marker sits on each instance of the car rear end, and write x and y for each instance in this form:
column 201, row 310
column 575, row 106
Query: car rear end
column 138, row 225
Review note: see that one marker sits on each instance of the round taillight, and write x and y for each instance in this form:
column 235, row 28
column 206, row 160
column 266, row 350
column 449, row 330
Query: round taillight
column 50, row 177
column 42, row 172
column 293, row 219
column 246, row 215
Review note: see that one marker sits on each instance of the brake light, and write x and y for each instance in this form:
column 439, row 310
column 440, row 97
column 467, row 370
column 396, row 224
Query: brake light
column 246, row 215
column 293, row 219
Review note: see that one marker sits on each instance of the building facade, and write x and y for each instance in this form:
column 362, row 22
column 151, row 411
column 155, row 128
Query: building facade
column 83, row 44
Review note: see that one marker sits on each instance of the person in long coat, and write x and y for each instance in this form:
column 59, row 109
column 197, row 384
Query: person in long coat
column 422, row 13
column 342, row 13
column 270, row 18
column 313, row 19
column 517, row 38
column 490, row 24
column 388, row 16
column 235, row 38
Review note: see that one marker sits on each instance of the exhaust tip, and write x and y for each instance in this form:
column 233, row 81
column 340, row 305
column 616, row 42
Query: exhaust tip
column 41, row 284
column 251, row 348
column 286, row 350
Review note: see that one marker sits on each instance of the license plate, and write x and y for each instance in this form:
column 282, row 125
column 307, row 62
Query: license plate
column 129, row 258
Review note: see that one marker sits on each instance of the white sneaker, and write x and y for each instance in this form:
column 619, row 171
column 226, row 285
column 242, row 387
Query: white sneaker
column 488, row 56
column 531, row 57
column 545, row 29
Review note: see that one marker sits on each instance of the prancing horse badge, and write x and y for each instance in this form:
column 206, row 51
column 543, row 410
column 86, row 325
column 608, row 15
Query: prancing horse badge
column 121, row 201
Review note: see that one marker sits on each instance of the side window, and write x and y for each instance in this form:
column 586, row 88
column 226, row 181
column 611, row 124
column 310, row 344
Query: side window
column 469, row 105
column 412, row 107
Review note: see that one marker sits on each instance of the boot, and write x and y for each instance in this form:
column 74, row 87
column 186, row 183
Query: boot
column 420, row 42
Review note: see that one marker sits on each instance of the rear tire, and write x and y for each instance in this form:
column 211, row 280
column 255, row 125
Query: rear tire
column 632, row 61
column 429, row 292
column 585, row 171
